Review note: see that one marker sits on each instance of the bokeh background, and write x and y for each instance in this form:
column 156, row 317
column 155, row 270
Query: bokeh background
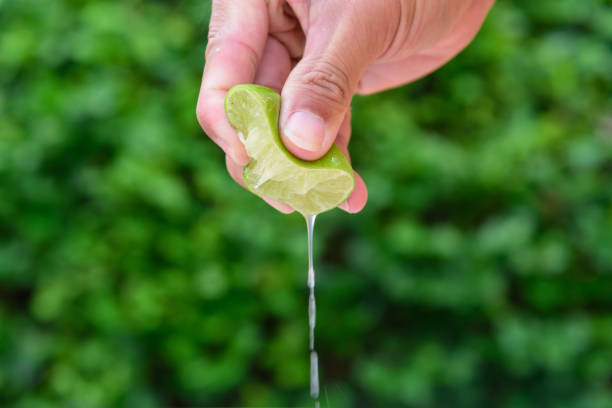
column 135, row 273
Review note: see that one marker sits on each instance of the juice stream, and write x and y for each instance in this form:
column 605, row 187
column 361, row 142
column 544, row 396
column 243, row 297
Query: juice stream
column 312, row 315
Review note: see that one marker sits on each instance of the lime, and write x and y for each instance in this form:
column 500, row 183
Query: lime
column 310, row 187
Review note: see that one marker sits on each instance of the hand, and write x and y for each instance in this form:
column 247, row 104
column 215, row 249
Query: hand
column 318, row 54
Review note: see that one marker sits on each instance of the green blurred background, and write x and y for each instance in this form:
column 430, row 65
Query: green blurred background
column 135, row 273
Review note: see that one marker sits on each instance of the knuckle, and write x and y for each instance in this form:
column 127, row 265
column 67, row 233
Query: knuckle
column 237, row 49
column 328, row 81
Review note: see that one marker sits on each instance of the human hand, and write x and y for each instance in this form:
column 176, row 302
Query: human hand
column 318, row 54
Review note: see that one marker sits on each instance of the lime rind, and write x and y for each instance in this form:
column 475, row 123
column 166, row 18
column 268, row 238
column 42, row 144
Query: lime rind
column 310, row 187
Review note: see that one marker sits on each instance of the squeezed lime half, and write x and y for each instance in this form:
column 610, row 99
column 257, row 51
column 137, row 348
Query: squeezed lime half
column 310, row 187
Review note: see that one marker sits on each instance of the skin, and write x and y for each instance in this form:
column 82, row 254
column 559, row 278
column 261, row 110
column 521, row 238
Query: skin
column 318, row 54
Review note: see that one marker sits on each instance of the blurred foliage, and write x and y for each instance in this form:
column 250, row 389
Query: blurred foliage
column 134, row 273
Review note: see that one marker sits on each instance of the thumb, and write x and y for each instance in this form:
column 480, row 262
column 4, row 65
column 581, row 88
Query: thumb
column 319, row 89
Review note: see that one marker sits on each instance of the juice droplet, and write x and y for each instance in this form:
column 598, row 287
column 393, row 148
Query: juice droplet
column 314, row 375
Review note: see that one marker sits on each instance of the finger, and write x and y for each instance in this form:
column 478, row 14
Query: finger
column 237, row 36
column 282, row 207
column 235, row 171
column 285, row 27
column 391, row 74
column 275, row 65
column 294, row 42
column 358, row 198
column 272, row 72
column 282, row 18
column 319, row 89
column 344, row 134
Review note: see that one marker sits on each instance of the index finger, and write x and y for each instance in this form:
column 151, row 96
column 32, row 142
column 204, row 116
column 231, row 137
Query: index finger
column 236, row 39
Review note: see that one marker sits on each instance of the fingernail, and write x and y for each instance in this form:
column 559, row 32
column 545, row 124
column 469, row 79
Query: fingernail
column 345, row 206
column 306, row 130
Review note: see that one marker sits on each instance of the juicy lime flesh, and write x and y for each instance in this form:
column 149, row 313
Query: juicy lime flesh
column 309, row 187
